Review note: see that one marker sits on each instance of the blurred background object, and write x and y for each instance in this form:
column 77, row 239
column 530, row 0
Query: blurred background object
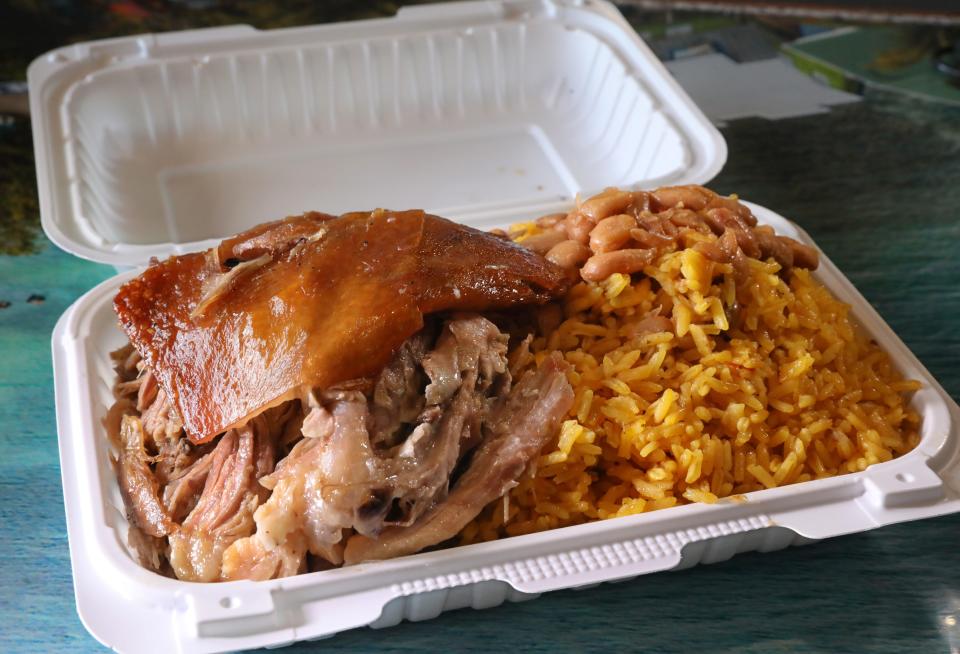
column 933, row 12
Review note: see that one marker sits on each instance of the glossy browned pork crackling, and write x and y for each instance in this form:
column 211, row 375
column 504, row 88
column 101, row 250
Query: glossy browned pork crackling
column 309, row 302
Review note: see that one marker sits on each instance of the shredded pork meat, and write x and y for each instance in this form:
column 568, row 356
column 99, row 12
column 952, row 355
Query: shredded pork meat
column 351, row 474
column 375, row 467
column 519, row 427
column 231, row 492
column 224, row 510
column 138, row 486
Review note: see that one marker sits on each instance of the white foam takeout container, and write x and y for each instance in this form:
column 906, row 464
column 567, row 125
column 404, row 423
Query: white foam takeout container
column 487, row 112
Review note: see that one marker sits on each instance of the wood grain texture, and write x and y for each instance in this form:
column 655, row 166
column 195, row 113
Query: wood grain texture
column 875, row 183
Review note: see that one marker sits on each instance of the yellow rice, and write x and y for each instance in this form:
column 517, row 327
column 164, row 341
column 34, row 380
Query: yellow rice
column 795, row 392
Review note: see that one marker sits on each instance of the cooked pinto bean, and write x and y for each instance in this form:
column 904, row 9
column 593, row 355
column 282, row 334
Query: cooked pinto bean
column 550, row 220
column 774, row 246
column 691, row 196
column 600, row 266
column 720, row 219
column 658, row 223
column 542, row 243
column 569, row 254
column 606, row 204
column 728, row 242
column 733, row 204
column 668, row 227
column 578, row 227
column 645, row 223
column 723, row 250
column 612, row 233
column 640, row 203
column 747, row 242
column 711, row 250
column 804, row 256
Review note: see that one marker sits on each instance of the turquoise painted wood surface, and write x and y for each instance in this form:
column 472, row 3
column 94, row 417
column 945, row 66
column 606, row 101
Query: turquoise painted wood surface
column 877, row 184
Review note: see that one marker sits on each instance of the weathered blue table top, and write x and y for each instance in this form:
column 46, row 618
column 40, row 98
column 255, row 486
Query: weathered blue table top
column 876, row 183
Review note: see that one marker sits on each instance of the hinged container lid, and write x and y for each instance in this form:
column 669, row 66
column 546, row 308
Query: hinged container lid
column 480, row 111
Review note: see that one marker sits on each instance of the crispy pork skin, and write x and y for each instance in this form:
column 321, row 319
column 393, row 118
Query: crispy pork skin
column 310, row 302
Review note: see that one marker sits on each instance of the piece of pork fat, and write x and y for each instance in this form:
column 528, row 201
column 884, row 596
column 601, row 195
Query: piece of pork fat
column 518, row 431
column 336, row 479
column 335, row 450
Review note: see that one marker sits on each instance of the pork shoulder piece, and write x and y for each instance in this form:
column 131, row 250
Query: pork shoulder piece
column 309, row 302
column 519, row 430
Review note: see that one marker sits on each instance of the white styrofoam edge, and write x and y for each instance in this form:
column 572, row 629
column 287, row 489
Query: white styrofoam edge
column 912, row 487
column 715, row 157
column 55, row 73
